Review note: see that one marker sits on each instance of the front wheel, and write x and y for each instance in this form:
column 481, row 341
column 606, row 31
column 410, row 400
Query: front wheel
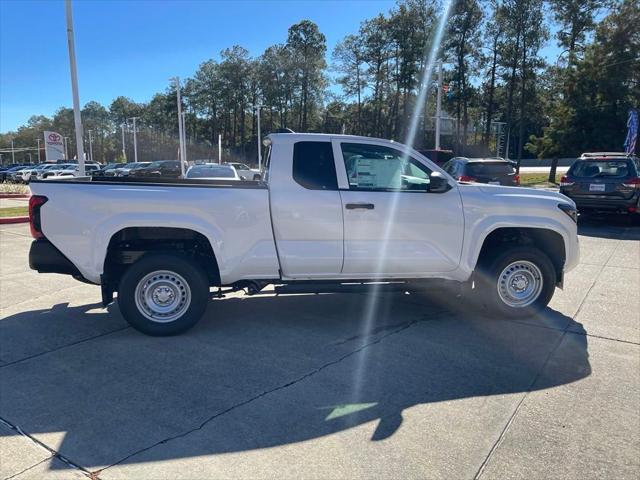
column 518, row 282
column 163, row 294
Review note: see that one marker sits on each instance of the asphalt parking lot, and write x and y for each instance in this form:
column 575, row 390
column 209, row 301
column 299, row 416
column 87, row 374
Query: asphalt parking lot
column 339, row 385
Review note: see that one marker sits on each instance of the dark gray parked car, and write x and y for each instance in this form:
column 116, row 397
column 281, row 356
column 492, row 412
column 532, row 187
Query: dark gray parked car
column 609, row 183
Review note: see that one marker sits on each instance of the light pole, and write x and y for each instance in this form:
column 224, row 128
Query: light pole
column 184, row 135
column 124, row 150
column 135, row 139
column 259, row 108
column 176, row 80
column 74, row 89
column 438, row 105
column 66, row 154
column 30, row 158
column 39, row 160
column 90, row 145
column 13, row 154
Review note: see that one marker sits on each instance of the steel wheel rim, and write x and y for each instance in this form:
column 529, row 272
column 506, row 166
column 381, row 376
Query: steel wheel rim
column 162, row 296
column 520, row 284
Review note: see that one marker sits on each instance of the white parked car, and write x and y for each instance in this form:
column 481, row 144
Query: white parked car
column 39, row 174
column 29, row 173
column 244, row 171
column 74, row 170
column 331, row 208
column 15, row 176
column 54, row 170
column 212, row 171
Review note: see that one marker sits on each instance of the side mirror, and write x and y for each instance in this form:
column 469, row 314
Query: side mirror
column 438, row 183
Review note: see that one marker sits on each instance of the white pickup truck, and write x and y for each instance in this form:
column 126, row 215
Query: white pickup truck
column 330, row 208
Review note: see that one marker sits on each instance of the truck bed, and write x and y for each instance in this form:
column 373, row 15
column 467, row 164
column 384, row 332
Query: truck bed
column 81, row 216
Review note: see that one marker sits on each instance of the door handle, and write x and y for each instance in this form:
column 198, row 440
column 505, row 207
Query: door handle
column 353, row 206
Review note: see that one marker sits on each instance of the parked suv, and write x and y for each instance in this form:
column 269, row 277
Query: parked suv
column 74, row 170
column 161, row 168
column 130, row 169
column 106, row 170
column 54, row 170
column 495, row 171
column 604, row 182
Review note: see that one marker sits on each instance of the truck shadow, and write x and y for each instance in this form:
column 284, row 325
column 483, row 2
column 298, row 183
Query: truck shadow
column 273, row 370
column 614, row 226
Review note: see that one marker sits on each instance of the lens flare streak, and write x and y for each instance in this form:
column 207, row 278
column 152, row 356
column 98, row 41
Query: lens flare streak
column 373, row 294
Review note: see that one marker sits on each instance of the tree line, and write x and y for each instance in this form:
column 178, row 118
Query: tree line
column 499, row 91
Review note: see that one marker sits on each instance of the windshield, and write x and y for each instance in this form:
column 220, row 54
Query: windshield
column 602, row 168
column 489, row 168
column 210, row 172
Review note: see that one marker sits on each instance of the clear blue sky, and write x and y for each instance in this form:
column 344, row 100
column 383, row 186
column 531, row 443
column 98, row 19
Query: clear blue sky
column 131, row 48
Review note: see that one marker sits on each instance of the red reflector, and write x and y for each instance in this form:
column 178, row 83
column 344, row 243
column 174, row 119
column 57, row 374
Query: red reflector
column 564, row 181
column 517, row 178
column 632, row 209
column 466, row 178
column 35, row 202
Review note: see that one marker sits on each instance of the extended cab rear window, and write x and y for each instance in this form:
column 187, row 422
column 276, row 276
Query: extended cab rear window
column 313, row 166
column 602, row 168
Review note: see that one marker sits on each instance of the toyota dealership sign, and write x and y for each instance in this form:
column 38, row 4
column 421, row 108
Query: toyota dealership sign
column 53, row 146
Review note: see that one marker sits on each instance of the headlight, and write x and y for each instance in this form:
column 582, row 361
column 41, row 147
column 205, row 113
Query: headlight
column 569, row 210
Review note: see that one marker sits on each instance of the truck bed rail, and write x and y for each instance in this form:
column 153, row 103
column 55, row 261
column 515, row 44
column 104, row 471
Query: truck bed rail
column 173, row 182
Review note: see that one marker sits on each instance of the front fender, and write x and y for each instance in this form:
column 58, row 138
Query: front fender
column 479, row 231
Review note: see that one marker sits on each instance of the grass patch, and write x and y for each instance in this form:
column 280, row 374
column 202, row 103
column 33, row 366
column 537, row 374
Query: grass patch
column 528, row 179
column 14, row 212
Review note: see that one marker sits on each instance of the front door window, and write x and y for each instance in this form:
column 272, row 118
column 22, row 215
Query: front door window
column 374, row 167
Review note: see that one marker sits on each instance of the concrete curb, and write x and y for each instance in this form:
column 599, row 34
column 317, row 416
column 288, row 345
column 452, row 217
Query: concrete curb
column 5, row 220
column 14, row 195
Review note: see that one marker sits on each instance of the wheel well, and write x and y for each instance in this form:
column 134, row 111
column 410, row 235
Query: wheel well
column 129, row 244
column 547, row 241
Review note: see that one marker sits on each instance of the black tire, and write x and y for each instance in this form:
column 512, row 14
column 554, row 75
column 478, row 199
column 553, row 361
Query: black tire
column 491, row 268
column 184, row 276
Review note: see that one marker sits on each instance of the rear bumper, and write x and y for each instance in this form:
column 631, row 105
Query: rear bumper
column 607, row 204
column 44, row 257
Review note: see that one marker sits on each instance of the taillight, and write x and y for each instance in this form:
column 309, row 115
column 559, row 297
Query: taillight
column 35, row 202
column 517, row 179
column 564, row 181
column 632, row 182
column 466, row 178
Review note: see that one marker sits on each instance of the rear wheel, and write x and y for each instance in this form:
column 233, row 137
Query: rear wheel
column 163, row 294
column 518, row 282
